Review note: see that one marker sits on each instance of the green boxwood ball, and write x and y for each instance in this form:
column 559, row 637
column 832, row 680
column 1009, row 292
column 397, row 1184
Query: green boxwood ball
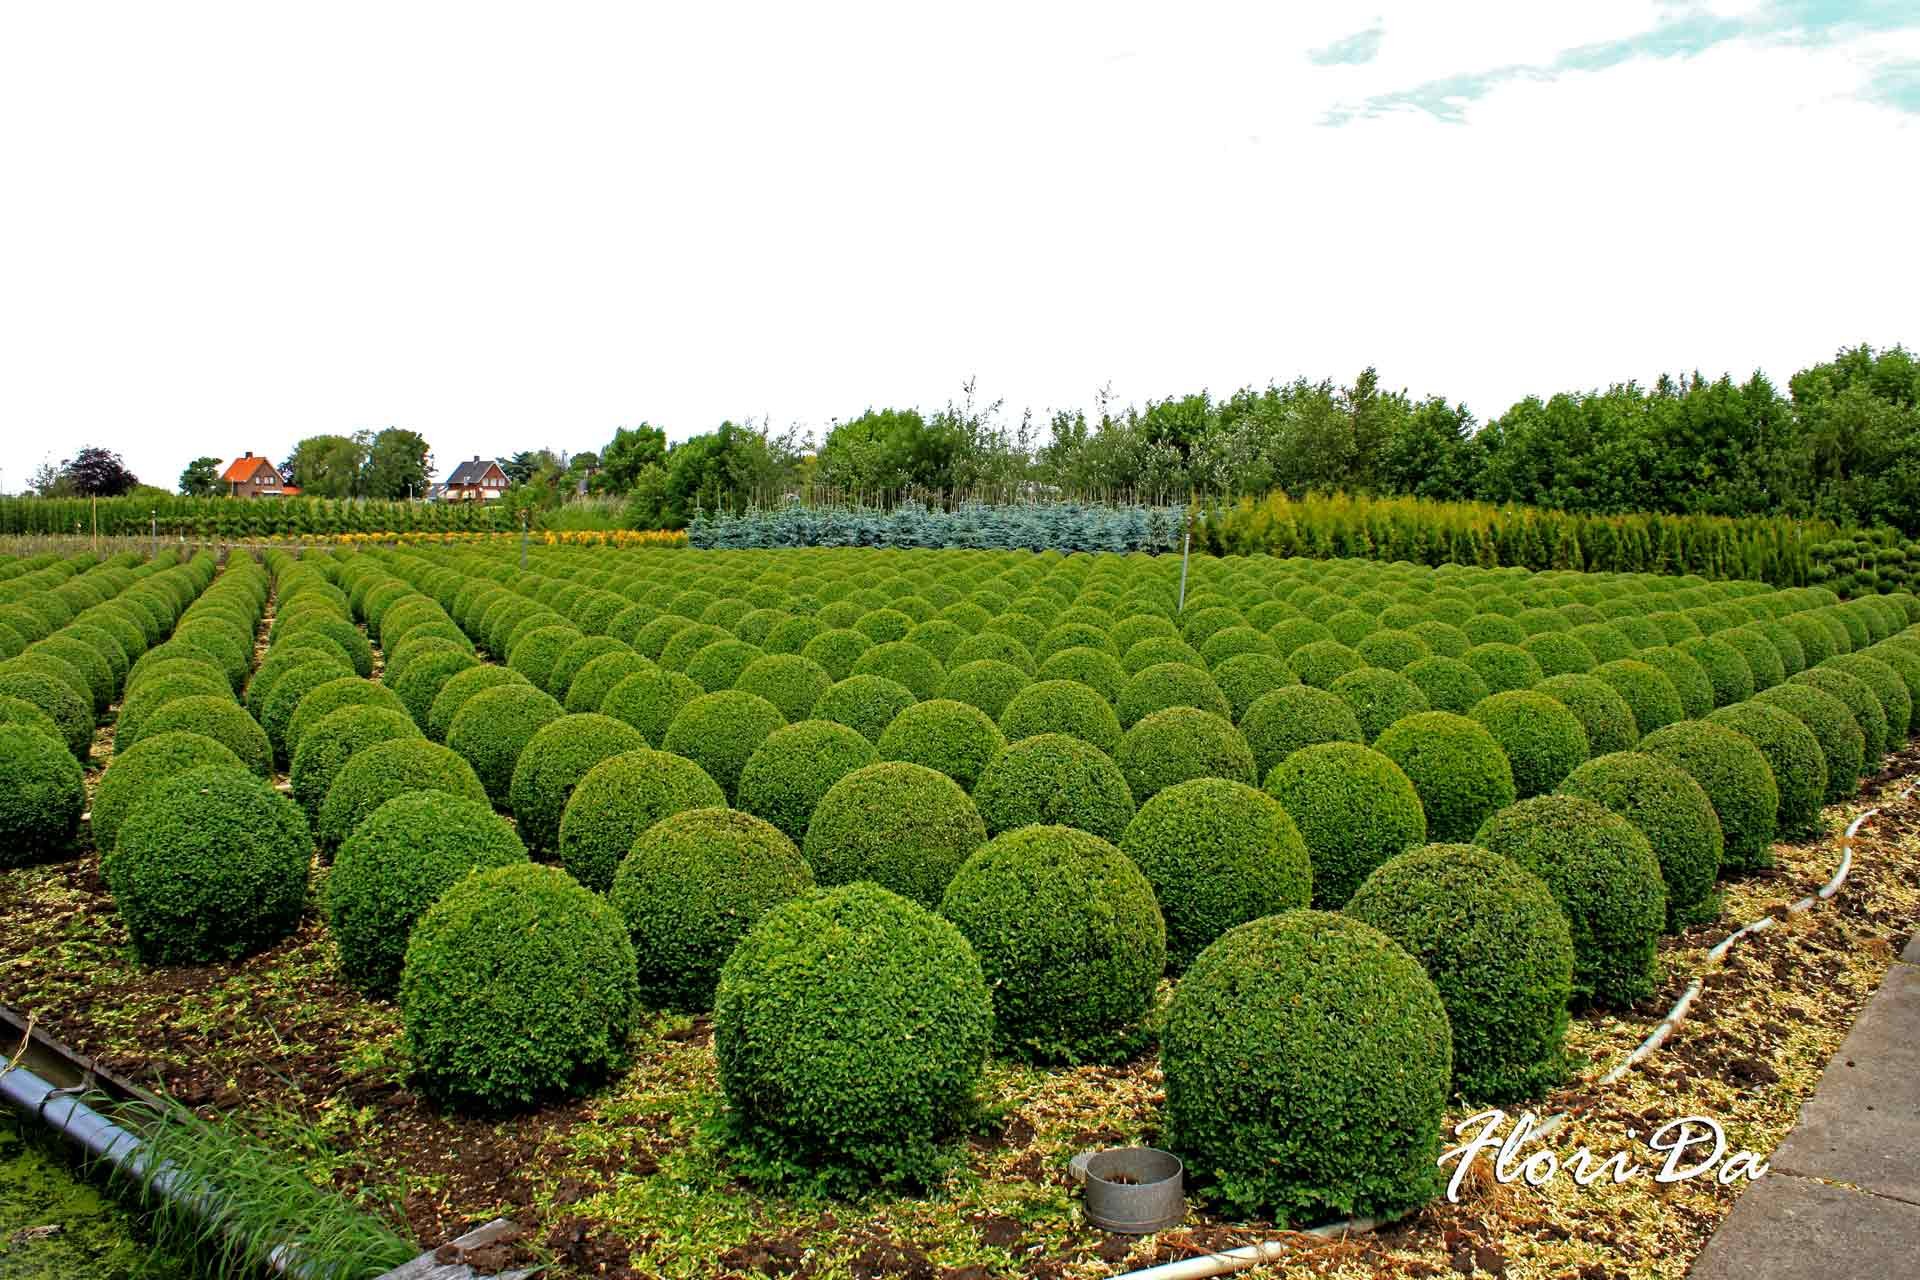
column 1056, row 780
column 1458, row 768
column 790, row 682
column 1498, row 949
column 1895, row 702
column 1542, row 740
column 277, row 711
column 905, row 827
column 327, row 746
column 1392, row 649
column 904, row 664
column 1738, row 782
column 215, row 716
column 65, row 707
column 952, row 737
column 1218, row 854
column 1247, row 677
column 423, row 679
column 1677, row 816
column 42, row 795
column 649, row 699
column 494, row 727
column 1792, row 753
column 132, row 774
column 788, row 773
column 1606, row 878
column 16, row 711
column 1095, row 668
column 1355, row 809
column 1559, row 653
column 691, row 887
column 1069, row 937
column 323, row 700
column 157, row 692
column 718, row 665
column 621, row 797
column 985, row 683
column 376, row 774
column 1504, row 666
column 555, row 759
column 596, row 679
column 865, row 703
column 575, row 659
column 1688, row 678
column 993, row 646
column 1378, row 698
column 1760, row 654
column 395, row 865
column 1170, row 684
column 1868, row 711
column 1282, row 722
column 1320, row 662
column 1833, row 726
column 211, row 865
column 1603, row 714
column 1449, row 683
column 851, row 1027
column 720, row 731
column 1648, row 693
column 460, row 687
column 518, row 986
column 1307, row 1061
column 1062, row 706
column 1178, row 744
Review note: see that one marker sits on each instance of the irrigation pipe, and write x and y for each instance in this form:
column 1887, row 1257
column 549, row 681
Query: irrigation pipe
column 1227, row 1261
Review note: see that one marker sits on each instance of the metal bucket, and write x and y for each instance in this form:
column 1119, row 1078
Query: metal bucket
column 1133, row 1190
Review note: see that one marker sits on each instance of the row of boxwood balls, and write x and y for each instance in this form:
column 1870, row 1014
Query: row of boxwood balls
column 1044, row 1005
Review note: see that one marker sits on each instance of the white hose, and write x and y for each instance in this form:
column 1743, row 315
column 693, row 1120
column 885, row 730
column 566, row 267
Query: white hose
column 1228, row 1261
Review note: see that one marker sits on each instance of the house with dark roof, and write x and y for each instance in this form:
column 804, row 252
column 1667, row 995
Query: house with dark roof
column 478, row 478
column 252, row 476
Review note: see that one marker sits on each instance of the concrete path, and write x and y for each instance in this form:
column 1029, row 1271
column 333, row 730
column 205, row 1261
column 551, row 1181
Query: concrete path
column 1842, row 1199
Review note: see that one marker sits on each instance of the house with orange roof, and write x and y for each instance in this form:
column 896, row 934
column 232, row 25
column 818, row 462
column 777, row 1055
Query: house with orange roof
column 252, row 476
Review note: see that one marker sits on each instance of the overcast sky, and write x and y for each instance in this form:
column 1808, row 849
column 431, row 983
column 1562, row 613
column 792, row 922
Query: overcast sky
column 223, row 227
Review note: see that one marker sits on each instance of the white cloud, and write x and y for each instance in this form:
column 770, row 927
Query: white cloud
column 230, row 227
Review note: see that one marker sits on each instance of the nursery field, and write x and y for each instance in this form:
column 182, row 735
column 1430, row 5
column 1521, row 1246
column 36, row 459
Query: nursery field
column 804, row 912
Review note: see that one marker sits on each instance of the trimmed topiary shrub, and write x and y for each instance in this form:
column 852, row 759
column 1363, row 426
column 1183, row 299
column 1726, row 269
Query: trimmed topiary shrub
column 577, row 657
column 377, row 773
column 905, row 664
column 132, row 774
column 787, row 774
column 1170, row 684
column 1449, row 683
column 61, row 704
column 1651, row 697
column 1895, row 702
column 561, row 753
column 902, row 826
column 1282, row 722
column 1392, row 649
column 277, row 711
column 596, row 679
column 718, row 665
column 1842, row 744
column 1605, row 876
column 1497, row 947
column 1320, row 662
column 1248, row 677
column 649, row 699
column 461, row 686
column 1307, row 1060
column 1686, row 675
column 692, row 886
column 1860, row 699
column 1457, row 767
column 1095, row 668
column 621, row 797
column 518, row 986
column 1559, row 653
column 15, row 711
column 157, row 692
column 865, row 703
column 1737, row 781
column 1354, row 808
column 1760, row 654
column 1069, row 938
column 1792, row 753
column 1063, row 706
column 1178, row 744
column 1504, row 666
column 328, row 745
column 1542, row 740
column 423, row 679
column 322, row 701
column 1603, row 714
column 394, row 866
column 494, row 727
column 215, row 716
column 952, row 737
column 850, row 1027
column 1673, row 812
column 994, row 646
column 1217, row 854
column 720, row 731
column 1054, row 780
column 210, row 865
column 986, row 684
column 42, row 795
column 790, row 682
column 1378, row 698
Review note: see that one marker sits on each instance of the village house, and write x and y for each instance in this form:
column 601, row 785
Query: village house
column 252, row 476
column 480, row 478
